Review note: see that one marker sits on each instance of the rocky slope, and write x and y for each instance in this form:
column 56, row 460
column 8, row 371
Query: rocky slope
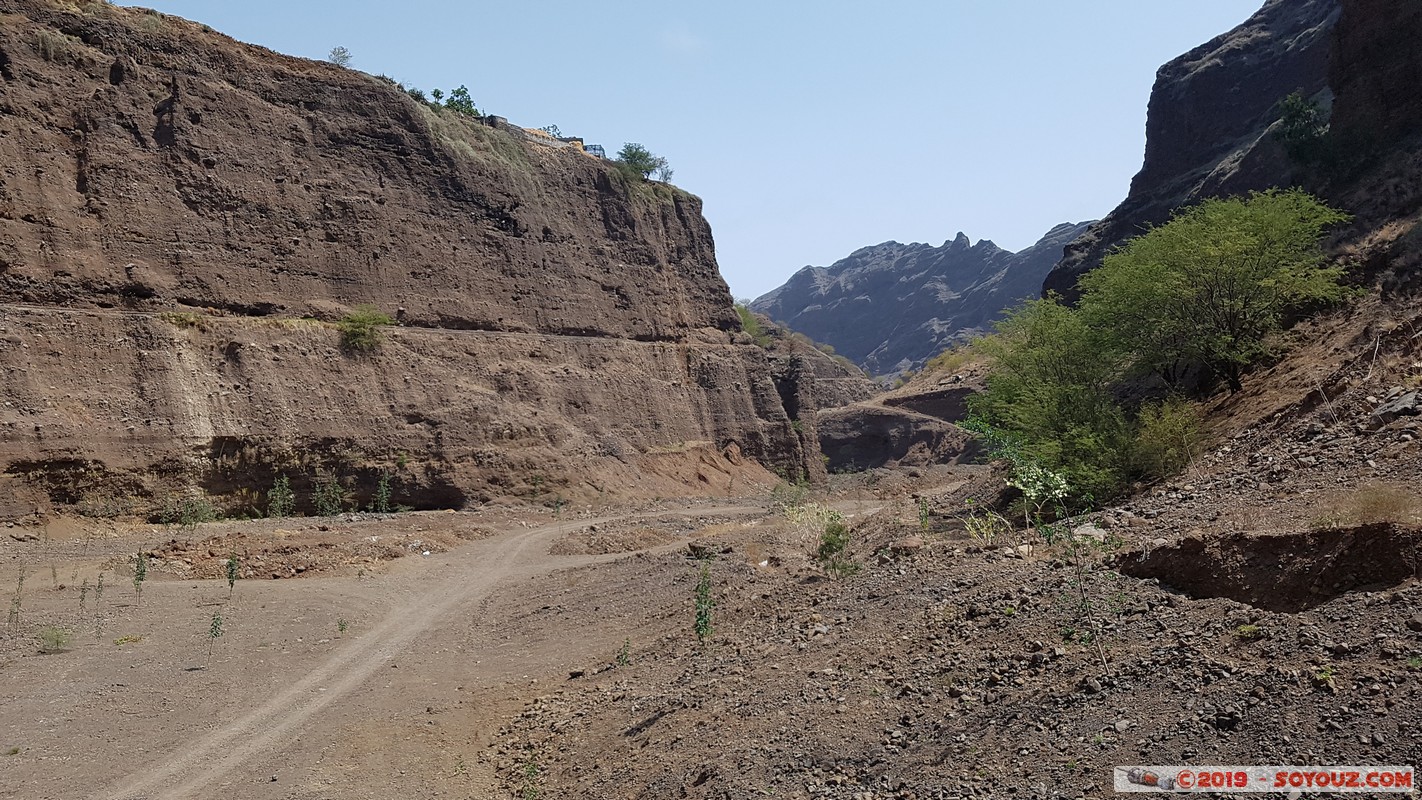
column 1206, row 128
column 892, row 306
column 560, row 327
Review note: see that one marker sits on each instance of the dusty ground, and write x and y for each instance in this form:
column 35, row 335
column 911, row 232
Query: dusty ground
column 946, row 667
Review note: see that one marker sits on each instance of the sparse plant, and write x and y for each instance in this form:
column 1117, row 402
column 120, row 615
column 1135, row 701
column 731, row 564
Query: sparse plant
column 531, row 772
column 83, row 595
column 624, row 656
column 704, row 604
column 1248, row 633
column 380, row 503
column 923, row 513
column 1415, row 663
column 129, row 639
column 54, row 639
column 232, row 568
column 342, row 625
column 833, row 549
column 1384, row 503
column 185, row 319
column 140, row 574
column 360, row 329
column 281, row 500
column 54, row 47
column 214, row 632
column 17, row 602
column 99, row 590
column 328, row 496
column 188, row 511
column 1168, row 437
column 340, row 56
column 983, row 524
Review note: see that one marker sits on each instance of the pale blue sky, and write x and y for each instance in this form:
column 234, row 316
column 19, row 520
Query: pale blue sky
column 810, row 129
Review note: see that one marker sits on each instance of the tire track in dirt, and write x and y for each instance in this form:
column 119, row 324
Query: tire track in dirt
column 185, row 774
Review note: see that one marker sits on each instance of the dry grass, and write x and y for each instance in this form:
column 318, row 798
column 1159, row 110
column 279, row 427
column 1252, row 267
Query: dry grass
column 1370, row 504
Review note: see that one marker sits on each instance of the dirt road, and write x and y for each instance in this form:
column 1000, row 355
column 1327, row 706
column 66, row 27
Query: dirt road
column 145, row 722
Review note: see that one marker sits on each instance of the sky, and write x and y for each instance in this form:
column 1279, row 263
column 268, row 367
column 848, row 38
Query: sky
column 809, row 129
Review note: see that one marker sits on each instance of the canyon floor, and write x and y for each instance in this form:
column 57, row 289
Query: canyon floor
column 531, row 653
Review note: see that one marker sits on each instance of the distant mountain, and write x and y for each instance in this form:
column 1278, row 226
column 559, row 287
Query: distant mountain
column 891, row 307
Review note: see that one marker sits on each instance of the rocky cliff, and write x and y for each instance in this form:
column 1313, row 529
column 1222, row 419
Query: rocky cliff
column 892, row 306
column 182, row 216
column 1206, row 127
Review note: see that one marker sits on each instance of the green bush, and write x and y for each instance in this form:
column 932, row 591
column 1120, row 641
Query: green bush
column 329, row 497
column 1303, row 129
column 54, row 640
column 360, row 329
column 751, row 325
column 281, row 500
column 1211, row 286
column 1168, row 437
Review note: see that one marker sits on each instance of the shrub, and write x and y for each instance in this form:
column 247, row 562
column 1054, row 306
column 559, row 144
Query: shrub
column 329, row 497
column 54, row 639
column 281, row 500
column 360, row 329
column 704, row 604
column 184, row 319
column 1168, row 437
column 188, row 512
column 751, row 325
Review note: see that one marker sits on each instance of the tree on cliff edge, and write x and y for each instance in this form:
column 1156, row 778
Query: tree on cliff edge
column 638, row 160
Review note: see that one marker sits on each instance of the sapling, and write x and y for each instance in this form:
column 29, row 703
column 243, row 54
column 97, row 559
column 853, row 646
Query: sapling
column 380, row 504
column 18, row 600
column 232, row 566
column 624, row 656
column 214, row 632
column 704, row 604
column 140, row 574
column 83, row 594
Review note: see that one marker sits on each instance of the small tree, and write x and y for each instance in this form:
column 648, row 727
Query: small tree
column 460, row 101
column 1303, row 126
column 232, row 568
column 637, row 160
column 1210, row 286
column 214, row 632
column 340, row 56
column 140, row 574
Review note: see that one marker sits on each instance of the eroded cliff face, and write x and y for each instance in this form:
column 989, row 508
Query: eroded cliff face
column 1207, row 125
column 557, row 321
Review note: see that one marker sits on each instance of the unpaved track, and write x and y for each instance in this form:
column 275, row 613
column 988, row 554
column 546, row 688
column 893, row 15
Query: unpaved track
column 284, row 716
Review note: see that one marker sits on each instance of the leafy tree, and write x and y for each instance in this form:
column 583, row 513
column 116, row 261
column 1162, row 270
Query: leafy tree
column 460, row 101
column 1210, row 286
column 638, row 160
column 1303, row 126
column 340, row 56
column 1049, row 392
column 552, row 130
